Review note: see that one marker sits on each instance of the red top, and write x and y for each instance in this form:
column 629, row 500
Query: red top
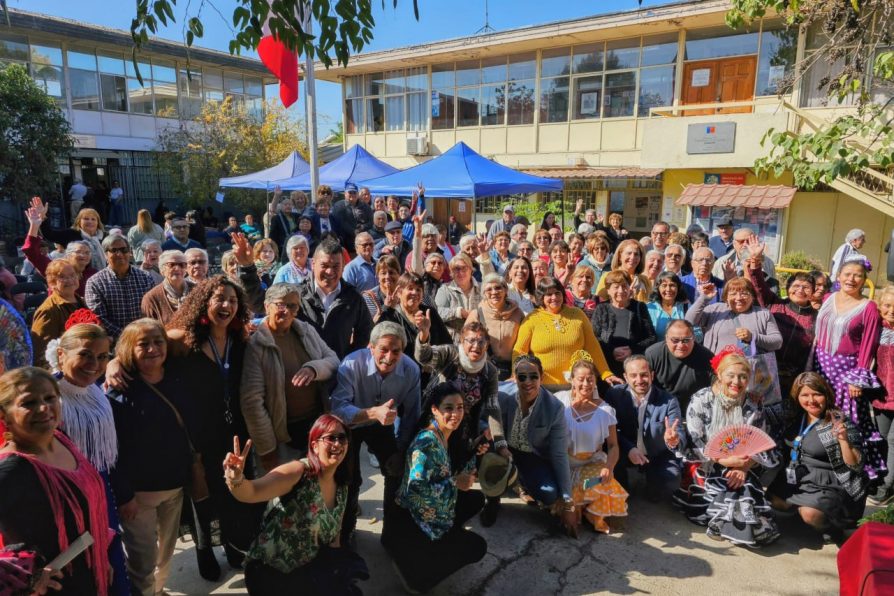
column 31, row 249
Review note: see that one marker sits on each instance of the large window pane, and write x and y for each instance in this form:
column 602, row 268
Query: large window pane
column 661, row 49
column 417, row 79
column 375, row 114
column 417, row 110
column 51, row 55
column 111, row 64
column 48, row 78
column 588, row 58
column 467, row 107
column 522, row 66
column 165, row 97
column 656, row 88
column 714, row 43
column 442, row 76
column 812, row 96
column 354, row 116
column 13, row 47
column 81, row 60
column 139, row 96
column 622, row 54
column 84, row 89
column 493, row 70
column 374, row 83
column 354, row 86
column 554, row 100
column 468, row 73
column 233, row 83
column 555, row 62
column 253, row 87
column 394, row 81
column 165, row 72
column 493, row 104
column 394, row 112
column 620, row 94
column 442, row 109
column 777, row 58
column 114, row 92
column 145, row 69
column 214, row 95
column 521, row 102
column 587, row 97
column 212, row 78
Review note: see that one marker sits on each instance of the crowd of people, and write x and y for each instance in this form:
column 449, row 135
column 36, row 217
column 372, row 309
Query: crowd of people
column 571, row 370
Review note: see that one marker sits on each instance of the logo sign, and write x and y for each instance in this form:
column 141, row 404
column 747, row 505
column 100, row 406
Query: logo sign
column 738, row 178
column 713, row 137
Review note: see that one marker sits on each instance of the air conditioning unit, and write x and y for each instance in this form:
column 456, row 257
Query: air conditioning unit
column 417, row 145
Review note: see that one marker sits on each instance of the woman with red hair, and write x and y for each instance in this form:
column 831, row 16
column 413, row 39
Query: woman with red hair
column 298, row 548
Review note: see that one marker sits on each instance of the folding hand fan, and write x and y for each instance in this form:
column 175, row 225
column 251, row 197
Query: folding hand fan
column 738, row 440
column 15, row 339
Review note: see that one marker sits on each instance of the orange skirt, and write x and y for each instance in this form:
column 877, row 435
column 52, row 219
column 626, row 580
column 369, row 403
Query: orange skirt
column 606, row 499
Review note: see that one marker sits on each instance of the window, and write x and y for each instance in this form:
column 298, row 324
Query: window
column 394, row 85
column 555, row 62
column 46, row 69
column 620, row 94
column 417, row 98
column 375, row 114
column 622, row 54
column 112, row 81
column 520, row 92
column 587, row 97
column 656, row 88
column 880, row 89
column 493, row 91
column 212, row 85
column 164, row 86
column 13, row 48
column 812, row 96
column 717, row 43
column 661, row 49
column 354, row 104
column 83, row 80
column 467, row 102
column 777, row 58
column 190, row 85
column 588, row 58
column 254, row 97
column 443, row 96
column 555, row 66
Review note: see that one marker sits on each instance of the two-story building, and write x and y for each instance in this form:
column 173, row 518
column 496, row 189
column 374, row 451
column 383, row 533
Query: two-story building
column 604, row 103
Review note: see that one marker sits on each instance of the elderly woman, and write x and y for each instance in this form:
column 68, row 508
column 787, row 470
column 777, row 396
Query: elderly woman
column 580, row 290
column 591, row 424
column 435, row 268
column 829, row 487
column 560, row 267
column 78, row 252
column 298, row 268
column 502, row 318
column 376, row 299
column 850, row 250
column 554, row 332
column 266, row 258
column 654, row 265
column 154, row 453
column 629, row 258
column 848, row 330
column 519, row 278
column 283, row 388
column 87, row 226
column 49, row 492
column 666, row 303
column 229, row 266
column 165, row 299
column 145, row 229
column 425, row 244
column 151, row 253
column 621, row 324
column 500, row 257
column 50, row 317
column 539, row 270
column 738, row 319
column 598, row 257
column 883, row 404
column 725, row 495
column 576, row 246
column 615, row 230
column 458, row 298
column 409, row 311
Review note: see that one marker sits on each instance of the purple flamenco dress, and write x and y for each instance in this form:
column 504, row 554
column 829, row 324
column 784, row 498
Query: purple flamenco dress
column 846, row 343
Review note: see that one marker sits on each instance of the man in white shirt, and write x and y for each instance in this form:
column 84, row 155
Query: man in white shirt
column 76, row 193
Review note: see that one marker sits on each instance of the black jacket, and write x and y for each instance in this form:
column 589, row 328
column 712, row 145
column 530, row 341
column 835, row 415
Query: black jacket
column 279, row 233
column 351, row 220
column 347, row 325
column 641, row 331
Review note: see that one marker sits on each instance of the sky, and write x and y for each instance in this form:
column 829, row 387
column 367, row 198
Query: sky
column 395, row 27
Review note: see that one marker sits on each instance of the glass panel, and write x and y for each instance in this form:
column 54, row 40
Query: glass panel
column 622, row 54
column 374, row 83
column 554, row 100
column 214, row 95
column 191, row 86
column 776, row 60
column 713, row 43
column 82, row 60
column 165, row 97
column 375, row 115
column 661, row 49
column 255, row 107
column 588, row 58
column 46, row 55
column 555, row 62
column 111, row 64
column 114, row 92
column 394, row 112
column 812, row 96
column 354, row 115
column 522, row 66
column 816, row 37
column 139, row 97
column 145, row 69
column 467, row 73
column 521, row 102
column 354, row 86
column 442, row 76
column 164, row 71
column 233, row 83
column 13, row 47
column 620, row 94
column 467, row 106
column 493, row 70
column 442, row 109
column 394, row 82
column 587, row 97
column 417, row 79
column 253, row 87
column 48, row 78
column 212, row 78
column 417, row 108
column 84, row 89
column 493, row 104
column 656, row 88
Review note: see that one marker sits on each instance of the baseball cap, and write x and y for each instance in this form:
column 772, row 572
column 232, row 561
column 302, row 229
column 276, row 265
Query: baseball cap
column 392, row 226
column 508, row 209
column 350, row 187
column 725, row 222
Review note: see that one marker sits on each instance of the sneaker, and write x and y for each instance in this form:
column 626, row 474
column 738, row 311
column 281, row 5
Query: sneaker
column 882, row 497
column 488, row 516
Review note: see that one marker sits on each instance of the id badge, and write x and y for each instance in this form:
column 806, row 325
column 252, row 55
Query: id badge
column 791, row 476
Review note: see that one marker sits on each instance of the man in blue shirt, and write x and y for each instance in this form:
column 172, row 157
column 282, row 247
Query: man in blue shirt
column 180, row 239
column 375, row 386
column 361, row 271
column 723, row 242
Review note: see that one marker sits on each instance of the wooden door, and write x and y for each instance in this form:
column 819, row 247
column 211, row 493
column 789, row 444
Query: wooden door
column 736, row 82
column 699, row 85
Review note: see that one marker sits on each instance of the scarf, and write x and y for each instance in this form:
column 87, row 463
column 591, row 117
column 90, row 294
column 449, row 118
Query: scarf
column 87, row 419
column 725, row 411
column 831, row 325
column 98, row 258
column 175, row 300
column 266, row 268
column 467, row 365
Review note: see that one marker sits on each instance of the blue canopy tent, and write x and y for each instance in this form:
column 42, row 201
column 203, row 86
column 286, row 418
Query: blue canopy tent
column 293, row 165
column 461, row 173
column 355, row 165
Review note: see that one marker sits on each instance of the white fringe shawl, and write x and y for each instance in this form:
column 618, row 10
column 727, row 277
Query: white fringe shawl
column 88, row 421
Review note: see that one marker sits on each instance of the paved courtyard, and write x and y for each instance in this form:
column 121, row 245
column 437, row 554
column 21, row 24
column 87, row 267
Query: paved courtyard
column 659, row 552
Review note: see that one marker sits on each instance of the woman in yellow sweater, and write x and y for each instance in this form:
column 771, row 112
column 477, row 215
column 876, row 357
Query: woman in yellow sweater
column 554, row 331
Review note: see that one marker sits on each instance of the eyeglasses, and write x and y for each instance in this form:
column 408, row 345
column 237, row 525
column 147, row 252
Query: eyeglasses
column 365, row 244
column 460, row 269
column 680, row 340
column 800, row 288
column 285, row 306
column 175, row 264
column 335, row 439
column 122, row 250
column 495, row 290
column 671, row 255
column 471, row 341
column 523, row 377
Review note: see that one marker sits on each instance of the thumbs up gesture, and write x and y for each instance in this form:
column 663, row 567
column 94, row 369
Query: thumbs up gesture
column 386, row 413
column 671, row 438
column 423, row 324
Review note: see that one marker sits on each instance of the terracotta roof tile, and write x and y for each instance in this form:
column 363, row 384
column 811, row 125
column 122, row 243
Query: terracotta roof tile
column 566, row 173
column 736, row 195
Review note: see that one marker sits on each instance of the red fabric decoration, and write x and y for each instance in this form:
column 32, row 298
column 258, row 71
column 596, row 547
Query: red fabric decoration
column 284, row 66
column 717, row 359
column 866, row 561
column 82, row 315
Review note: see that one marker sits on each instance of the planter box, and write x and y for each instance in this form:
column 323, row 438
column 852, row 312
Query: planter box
column 866, row 561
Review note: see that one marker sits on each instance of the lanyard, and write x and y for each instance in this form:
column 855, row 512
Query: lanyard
column 224, row 368
column 796, row 445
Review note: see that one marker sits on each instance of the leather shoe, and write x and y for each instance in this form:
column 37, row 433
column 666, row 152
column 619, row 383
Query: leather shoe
column 489, row 512
column 209, row 568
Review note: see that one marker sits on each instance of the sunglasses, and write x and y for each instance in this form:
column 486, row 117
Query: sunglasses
column 680, row 340
column 118, row 251
column 523, row 377
column 335, row 439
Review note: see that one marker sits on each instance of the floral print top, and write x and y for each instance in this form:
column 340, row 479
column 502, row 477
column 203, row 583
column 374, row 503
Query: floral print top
column 297, row 525
column 428, row 490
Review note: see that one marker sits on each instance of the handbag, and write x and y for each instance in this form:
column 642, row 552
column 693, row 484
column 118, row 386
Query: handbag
column 198, row 483
column 764, row 382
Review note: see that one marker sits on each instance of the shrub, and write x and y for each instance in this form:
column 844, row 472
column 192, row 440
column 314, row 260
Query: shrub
column 798, row 259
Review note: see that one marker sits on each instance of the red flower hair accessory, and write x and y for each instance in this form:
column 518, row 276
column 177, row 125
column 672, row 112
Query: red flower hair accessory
column 82, row 315
column 718, row 358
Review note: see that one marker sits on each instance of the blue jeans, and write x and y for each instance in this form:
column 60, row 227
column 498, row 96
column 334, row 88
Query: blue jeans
column 536, row 476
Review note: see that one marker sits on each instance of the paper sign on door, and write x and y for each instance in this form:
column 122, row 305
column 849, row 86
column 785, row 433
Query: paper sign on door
column 701, row 77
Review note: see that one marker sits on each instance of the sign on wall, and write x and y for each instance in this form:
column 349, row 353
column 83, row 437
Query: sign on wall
column 701, row 77
column 711, row 137
column 737, row 178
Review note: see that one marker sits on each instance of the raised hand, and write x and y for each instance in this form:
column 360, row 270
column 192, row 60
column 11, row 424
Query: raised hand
column 38, row 204
column 421, row 189
column 483, row 244
column 729, row 269
column 234, row 462
column 423, row 324
column 390, row 300
column 708, row 290
column 578, row 206
column 671, row 438
column 756, row 248
column 242, row 249
column 277, row 192
column 418, row 220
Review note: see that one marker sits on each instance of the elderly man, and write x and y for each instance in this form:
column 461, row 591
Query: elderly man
column 731, row 264
column 196, row 264
column 283, row 393
column 681, row 365
column 701, row 277
column 380, row 220
column 469, row 245
column 650, row 430
column 162, row 301
column 674, row 257
column 394, row 244
column 660, row 235
column 503, row 225
column 722, row 243
column 114, row 293
column 519, row 233
column 589, row 216
column 335, row 310
column 366, row 196
column 376, row 385
column 361, row 271
column 180, row 239
column 351, row 215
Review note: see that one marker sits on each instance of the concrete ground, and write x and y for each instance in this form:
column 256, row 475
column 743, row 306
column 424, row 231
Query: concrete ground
column 658, row 552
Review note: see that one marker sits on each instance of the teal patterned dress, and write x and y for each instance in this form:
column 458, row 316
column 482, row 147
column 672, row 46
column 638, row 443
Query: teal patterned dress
column 297, row 525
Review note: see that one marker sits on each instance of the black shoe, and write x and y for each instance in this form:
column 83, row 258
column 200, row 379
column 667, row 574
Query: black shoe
column 488, row 514
column 209, row 568
column 235, row 557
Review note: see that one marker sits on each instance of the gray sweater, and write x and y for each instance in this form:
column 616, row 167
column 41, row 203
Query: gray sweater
column 720, row 324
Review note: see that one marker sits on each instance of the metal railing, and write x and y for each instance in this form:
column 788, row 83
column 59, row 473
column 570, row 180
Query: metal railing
column 870, row 286
column 679, row 110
